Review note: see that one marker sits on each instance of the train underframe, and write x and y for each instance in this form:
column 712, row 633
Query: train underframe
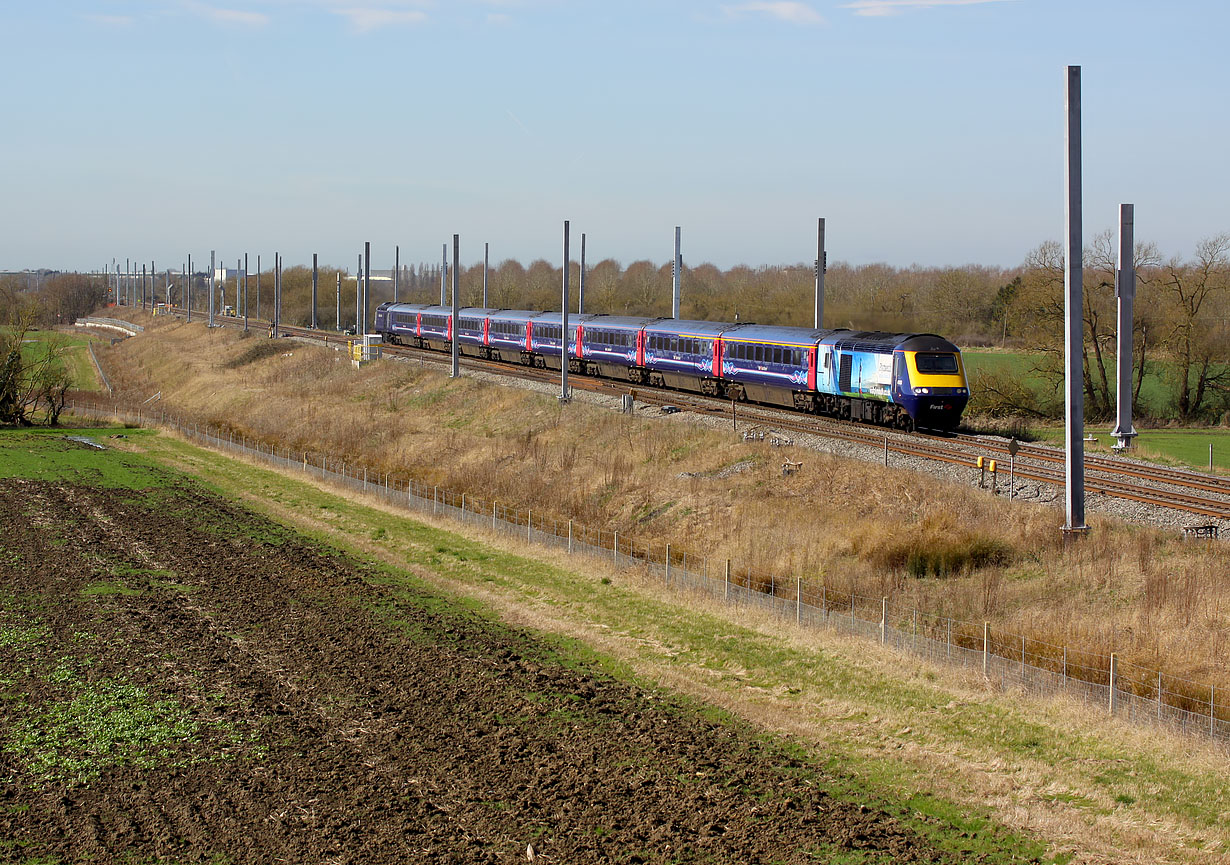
column 877, row 412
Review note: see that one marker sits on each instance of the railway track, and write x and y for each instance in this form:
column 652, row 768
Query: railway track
column 1188, row 492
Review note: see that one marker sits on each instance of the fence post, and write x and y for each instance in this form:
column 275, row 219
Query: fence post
column 615, row 549
column 883, row 620
column 1065, row 668
column 435, row 495
column 494, row 510
column 986, row 650
column 1212, row 714
column 915, row 635
column 668, row 564
column 570, row 537
column 726, row 595
column 798, row 600
column 824, row 601
column 529, row 526
column 1113, row 664
column 463, row 506
column 1159, row 695
column 305, row 461
column 949, row 638
column 1022, row 659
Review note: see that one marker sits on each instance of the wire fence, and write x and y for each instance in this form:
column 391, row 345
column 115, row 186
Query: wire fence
column 1007, row 661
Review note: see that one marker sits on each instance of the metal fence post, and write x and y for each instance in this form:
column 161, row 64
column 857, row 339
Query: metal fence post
column 798, row 600
column 986, row 650
column 570, row 537
column 1159, row 695
column 884, row 620
column 1113, row 665
column 726, row 584
column 615, row 549
column 668, row 564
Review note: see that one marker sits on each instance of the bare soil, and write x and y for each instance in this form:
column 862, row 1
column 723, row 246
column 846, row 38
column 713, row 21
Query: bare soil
column 344, row 715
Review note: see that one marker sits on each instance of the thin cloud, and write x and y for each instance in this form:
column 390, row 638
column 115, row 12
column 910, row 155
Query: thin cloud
column 517, row 121
column 367, row 19
column 231, row 17
column 782, row 10
column 884, row 8
column 110, row 20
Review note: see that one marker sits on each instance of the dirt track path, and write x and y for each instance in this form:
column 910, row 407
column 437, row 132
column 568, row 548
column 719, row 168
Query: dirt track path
column 340, row 718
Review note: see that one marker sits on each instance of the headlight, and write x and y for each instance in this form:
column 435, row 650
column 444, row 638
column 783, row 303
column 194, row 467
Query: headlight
column 922, row 390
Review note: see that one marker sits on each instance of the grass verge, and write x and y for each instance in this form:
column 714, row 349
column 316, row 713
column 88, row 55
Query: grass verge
column 944, row 749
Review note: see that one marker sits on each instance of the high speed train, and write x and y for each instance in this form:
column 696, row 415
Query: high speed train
column 902, row 380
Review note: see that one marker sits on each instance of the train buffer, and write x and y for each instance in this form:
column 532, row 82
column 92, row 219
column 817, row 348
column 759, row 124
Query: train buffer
column 790, row 467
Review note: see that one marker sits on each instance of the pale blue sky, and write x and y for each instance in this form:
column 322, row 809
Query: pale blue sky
column 924, row 131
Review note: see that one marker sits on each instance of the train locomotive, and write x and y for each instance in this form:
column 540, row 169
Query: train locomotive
column 901, row 380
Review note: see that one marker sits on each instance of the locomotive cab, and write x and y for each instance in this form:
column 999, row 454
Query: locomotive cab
column 929, row 381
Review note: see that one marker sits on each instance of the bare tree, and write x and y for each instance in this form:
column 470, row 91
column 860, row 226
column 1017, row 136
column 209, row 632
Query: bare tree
column 34, row 376
column 1193, row 293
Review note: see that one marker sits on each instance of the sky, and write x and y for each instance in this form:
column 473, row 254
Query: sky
column 924, row 132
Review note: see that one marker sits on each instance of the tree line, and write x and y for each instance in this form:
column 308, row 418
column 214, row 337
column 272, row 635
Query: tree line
column 1182, row 311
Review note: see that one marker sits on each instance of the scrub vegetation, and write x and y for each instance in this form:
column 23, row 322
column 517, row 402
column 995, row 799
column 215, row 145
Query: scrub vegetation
column 850, row 527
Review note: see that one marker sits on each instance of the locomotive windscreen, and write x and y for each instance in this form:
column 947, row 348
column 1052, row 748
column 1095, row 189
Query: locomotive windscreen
column 936, row 363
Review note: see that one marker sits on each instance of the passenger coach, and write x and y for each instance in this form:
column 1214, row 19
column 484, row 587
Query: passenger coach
column 895, row 379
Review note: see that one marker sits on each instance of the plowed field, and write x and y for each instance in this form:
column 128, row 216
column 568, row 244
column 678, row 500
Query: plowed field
column 183, row 680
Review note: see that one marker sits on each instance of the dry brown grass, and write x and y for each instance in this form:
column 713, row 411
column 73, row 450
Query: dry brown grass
column 851, row 526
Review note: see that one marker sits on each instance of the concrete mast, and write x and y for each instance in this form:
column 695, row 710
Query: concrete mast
column 1125, row 292
column 1074, row 412
column 821, row 266
column 564, row 395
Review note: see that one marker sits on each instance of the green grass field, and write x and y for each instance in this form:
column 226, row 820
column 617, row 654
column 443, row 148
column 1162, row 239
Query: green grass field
column 50, row 454
column 1189, row 446
column 1154, row 393
column 1184, row 447
column 85, row 376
